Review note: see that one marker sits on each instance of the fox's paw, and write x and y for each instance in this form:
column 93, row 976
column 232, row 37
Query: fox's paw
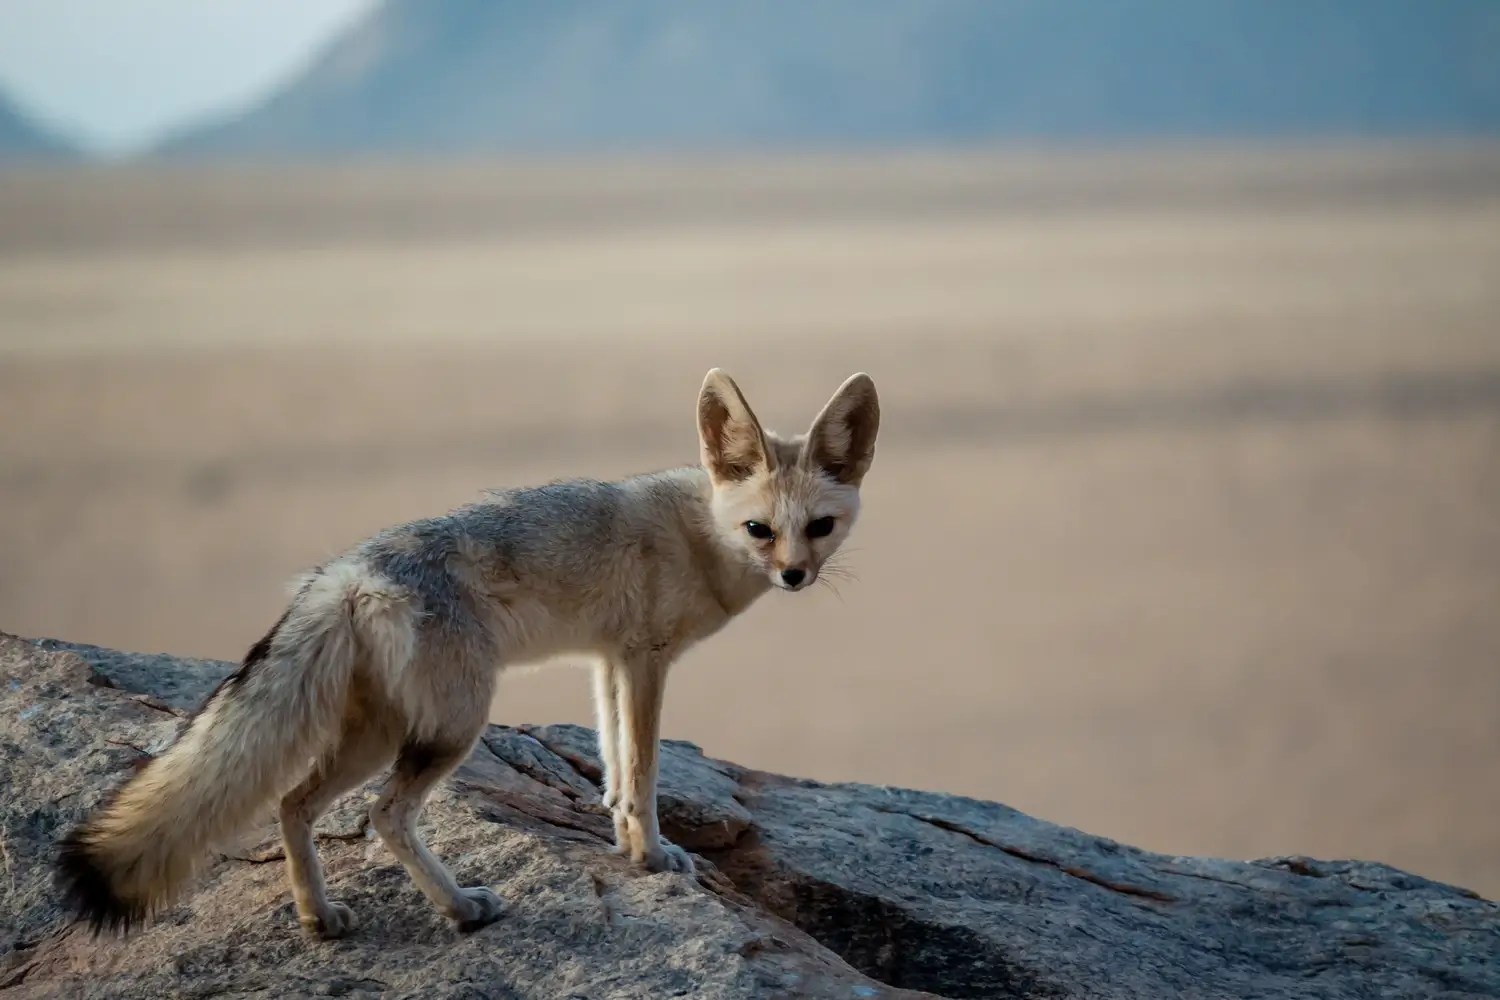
column 668, row 857
column 622, row 834
column 484, row 907
column 610, row 798
column 334, row 922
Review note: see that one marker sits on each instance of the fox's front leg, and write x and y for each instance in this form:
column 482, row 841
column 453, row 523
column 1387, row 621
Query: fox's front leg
column 607, row 714
column 640, row 683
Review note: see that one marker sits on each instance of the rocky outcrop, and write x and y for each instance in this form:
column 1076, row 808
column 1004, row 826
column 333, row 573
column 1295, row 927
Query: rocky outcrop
column 804, row 889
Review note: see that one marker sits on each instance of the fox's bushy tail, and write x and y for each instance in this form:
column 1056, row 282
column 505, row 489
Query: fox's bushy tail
column 255, row 735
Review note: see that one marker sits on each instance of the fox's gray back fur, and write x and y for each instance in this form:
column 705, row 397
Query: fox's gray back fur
column 591, row 558
column 391, row 650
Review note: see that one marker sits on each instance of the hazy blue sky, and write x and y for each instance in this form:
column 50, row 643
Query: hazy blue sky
column 116, row 73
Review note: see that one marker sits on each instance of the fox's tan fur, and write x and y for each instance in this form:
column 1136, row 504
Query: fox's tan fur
column 391, row 651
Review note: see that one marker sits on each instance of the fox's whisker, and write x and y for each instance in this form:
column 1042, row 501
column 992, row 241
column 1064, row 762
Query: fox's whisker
column 828, row 584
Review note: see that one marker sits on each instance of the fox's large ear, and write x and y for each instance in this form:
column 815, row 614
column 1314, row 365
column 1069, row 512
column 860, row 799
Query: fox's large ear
column 842, row 439
column 731, row 441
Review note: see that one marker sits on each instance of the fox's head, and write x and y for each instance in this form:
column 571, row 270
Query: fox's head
column 787, row 504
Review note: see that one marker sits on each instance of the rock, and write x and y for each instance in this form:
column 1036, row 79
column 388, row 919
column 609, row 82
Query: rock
column 180, row 681
column 804, row 889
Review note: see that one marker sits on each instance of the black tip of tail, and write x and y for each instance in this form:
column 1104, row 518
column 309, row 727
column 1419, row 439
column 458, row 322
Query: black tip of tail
column 87, row 891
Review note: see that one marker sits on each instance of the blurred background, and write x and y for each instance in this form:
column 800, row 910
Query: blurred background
column 1185, row 523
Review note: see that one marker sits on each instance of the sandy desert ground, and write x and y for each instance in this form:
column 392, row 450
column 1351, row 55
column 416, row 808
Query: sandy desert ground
column 1184, row 529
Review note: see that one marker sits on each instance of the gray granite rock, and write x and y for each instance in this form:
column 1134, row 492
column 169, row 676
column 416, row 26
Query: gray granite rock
column 180, row 681
column 805, row 889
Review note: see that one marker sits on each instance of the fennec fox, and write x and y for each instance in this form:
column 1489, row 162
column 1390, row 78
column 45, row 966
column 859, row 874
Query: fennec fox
column 391, row 652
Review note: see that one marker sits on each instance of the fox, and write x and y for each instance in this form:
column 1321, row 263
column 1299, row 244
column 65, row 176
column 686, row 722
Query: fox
column 388, row 655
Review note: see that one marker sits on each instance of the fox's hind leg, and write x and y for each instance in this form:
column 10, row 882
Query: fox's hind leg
column 362, row 750
column 419, row 767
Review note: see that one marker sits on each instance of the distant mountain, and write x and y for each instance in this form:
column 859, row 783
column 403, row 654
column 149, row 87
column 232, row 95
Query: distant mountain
column 467, row 75
column 23, row 139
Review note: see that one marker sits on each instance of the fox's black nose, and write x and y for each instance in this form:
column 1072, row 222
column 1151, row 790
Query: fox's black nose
column 792, row 577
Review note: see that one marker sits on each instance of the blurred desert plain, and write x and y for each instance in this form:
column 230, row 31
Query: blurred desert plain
column 1184, row 526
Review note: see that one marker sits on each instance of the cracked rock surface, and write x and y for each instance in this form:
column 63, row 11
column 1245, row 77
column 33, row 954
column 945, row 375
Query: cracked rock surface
column 804, row 889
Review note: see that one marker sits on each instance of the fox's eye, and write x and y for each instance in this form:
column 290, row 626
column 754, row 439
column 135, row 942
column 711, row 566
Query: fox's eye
column 758, row 530
column 820, row 528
